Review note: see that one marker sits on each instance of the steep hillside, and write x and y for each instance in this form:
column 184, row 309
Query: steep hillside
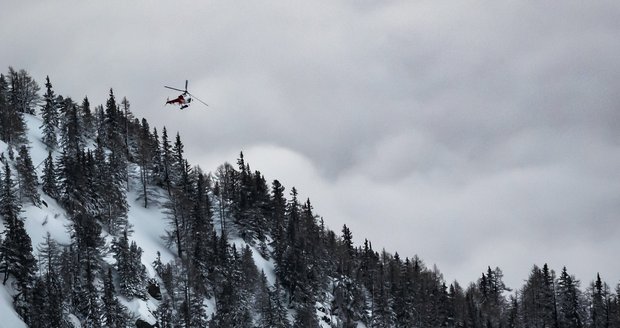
column 106, row 224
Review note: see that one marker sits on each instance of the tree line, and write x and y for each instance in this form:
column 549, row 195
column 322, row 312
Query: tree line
column 321, row 276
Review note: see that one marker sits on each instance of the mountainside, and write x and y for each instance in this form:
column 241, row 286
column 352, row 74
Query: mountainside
column 106, row 224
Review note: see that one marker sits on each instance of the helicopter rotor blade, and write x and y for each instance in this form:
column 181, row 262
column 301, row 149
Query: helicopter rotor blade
column 185, row 85
column 204, row 103
column 165, row 86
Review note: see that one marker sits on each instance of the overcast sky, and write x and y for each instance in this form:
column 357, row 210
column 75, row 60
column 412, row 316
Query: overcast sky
column 471, row 133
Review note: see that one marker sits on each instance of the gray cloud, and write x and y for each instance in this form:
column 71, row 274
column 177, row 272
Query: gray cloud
column 462, row 132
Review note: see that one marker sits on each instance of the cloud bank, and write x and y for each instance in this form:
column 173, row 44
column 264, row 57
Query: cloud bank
column 474, row 134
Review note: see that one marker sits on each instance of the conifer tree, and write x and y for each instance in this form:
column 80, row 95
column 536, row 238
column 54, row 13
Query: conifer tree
column 114, row 313
column 16, row 253
column 12, row 108
column 180, row 168
column 569, row 304
column 87, row 118
column 23, row 93
column 146, row 150
column 115, row 206
column 280, row 316
column 49, row 113
column 347, row 252
column 600, row 300
column 70, row 129
column 164, row 314
column 513, row 313
column 125, row 117
column 456, row 306
column 492, row 301
column 538, row 301
column 16, row 257
column 87, row 238
column 277, row 221
column 306, row 317
column 112, row 132
column 269, row 305
column 156, row 157
column 28, row 181
column 52, row 295
column 167, row 161
column 382, row 313
column 38, row 314
column 5, row 128
column 201, row 231
column 131, row 271
column 49, row 178
column 176, row 234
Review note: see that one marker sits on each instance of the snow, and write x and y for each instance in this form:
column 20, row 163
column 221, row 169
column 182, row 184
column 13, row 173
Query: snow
column 144, row 309
column 51, row 218
column 40, row 221
column 7, row 313
column 148, row 227
column 148, row 224
column 267, row 266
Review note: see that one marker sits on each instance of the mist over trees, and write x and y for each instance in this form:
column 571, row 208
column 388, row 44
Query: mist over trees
column 321, row 278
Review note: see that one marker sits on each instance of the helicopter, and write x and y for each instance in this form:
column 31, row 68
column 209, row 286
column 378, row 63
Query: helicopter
column 184, row 99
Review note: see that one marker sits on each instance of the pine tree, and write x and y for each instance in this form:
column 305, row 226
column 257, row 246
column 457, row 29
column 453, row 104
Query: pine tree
column 279, row 312
column 23, row 94
column 269, row 306
column 347, row 253
column 115, row 206
column 49, row 113
column 131, row 271
column 166, row 160
column 5, row 128
column 71, row 138
column 164, row 314
column 125, row 117
column 87, row 119
column 39, row 311
column 201, row 231
column 513, row 313
column 12, row 106
column 114, row 314
column 28, row 181
column 49, row 288
column 49, row 178
column 492, row 300
column 568, row 296
column 112, row 129
column 180, row 169
column 277, row 221
column 87, row 238
column 600, row 300
column 456, row 306
column 538, row 301
column 72, row 172
column 306, row 318
column 146, row 152
column 16, row 257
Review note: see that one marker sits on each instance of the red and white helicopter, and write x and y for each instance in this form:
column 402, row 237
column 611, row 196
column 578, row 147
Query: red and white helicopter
column 184, row 99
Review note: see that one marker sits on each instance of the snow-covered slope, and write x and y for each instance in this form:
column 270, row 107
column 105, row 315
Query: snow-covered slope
column 148, row 226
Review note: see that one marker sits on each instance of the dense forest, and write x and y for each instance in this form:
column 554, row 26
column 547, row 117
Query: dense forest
column 320, row 277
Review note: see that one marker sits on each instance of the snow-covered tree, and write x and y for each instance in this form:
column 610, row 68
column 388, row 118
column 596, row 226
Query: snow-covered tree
column 49, row 113
column 131, row 271
column 16, row 259
column 28, row 181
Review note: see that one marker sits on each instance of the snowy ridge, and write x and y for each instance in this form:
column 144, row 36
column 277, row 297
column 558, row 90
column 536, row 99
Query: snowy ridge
column 148, row 228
